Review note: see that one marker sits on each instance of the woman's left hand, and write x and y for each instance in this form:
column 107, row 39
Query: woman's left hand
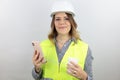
column 75, row 70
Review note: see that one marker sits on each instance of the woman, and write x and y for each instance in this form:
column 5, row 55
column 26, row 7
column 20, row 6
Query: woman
column 68, row 57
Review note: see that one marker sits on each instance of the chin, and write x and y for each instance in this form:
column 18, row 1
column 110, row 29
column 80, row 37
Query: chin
column 63, row 33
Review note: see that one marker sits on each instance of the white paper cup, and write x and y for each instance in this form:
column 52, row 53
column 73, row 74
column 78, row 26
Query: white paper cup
column 73, row 60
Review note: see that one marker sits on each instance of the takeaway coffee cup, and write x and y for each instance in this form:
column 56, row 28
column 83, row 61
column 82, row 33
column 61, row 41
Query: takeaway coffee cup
column 73, row 60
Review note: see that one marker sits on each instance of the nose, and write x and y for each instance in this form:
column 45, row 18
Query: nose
column 62, row 21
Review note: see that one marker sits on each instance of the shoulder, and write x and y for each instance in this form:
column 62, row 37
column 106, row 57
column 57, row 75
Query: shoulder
column 81, row 43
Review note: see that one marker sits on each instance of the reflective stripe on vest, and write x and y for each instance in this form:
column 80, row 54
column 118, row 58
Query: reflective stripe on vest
column 52, row 69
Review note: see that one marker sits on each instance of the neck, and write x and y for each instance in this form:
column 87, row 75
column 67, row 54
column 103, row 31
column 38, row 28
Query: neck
column 63, row 38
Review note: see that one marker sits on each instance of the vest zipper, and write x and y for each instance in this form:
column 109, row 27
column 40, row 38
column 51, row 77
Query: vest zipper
column 59, row 72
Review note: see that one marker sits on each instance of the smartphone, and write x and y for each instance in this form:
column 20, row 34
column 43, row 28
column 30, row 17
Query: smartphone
column 36, row 45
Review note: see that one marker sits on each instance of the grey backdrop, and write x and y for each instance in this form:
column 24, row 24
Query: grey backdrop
column 22, row 21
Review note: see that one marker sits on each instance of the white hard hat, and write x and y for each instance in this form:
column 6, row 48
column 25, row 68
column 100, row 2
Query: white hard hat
column 62, row 6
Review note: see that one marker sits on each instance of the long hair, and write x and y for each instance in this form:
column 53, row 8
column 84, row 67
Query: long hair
column 73, row 32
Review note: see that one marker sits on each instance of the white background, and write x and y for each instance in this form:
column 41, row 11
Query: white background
column 22, row 21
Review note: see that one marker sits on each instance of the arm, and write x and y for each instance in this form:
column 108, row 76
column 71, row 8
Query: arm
column 38, row 60
column 36, row 71
column 88, row 65
column 76, row 70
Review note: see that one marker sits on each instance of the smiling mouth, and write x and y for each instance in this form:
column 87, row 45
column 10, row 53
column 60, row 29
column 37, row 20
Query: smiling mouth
column 62, row 27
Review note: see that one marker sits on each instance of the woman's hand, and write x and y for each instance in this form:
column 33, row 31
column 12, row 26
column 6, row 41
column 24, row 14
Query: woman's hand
column 37, row 61
column 75, row 70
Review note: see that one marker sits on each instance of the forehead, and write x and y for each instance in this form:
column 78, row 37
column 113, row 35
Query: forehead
column 61, row 14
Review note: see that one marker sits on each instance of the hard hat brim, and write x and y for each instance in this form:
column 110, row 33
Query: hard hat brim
column 69, row 12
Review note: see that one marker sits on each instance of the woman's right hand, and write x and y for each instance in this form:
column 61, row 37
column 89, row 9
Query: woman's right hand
column 37, row 61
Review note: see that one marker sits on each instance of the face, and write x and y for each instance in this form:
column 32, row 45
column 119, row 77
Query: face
column 62, row 23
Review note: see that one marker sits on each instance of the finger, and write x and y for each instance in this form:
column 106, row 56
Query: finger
column 42, row 59
column 75, row 64
column 36, row 56
column 69, row 71
column 35, row 53
column 71, row 67
column 39, row 60
column 72, row 73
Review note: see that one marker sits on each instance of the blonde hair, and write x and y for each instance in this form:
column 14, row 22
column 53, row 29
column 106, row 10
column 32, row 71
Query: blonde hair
column 73, row 32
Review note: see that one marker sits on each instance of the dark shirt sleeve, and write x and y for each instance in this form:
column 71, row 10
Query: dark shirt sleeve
column 88, row 65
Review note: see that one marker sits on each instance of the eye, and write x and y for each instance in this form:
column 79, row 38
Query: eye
column 66, row 18
column 57, row 19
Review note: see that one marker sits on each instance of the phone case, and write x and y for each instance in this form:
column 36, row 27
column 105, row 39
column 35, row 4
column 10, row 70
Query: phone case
column 36, row 45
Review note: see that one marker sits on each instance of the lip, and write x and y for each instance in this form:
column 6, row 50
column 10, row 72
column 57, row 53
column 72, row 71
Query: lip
column 62, row 27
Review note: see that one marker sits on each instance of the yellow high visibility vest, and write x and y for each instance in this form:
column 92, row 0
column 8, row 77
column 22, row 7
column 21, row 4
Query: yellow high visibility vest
column 52, row 69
